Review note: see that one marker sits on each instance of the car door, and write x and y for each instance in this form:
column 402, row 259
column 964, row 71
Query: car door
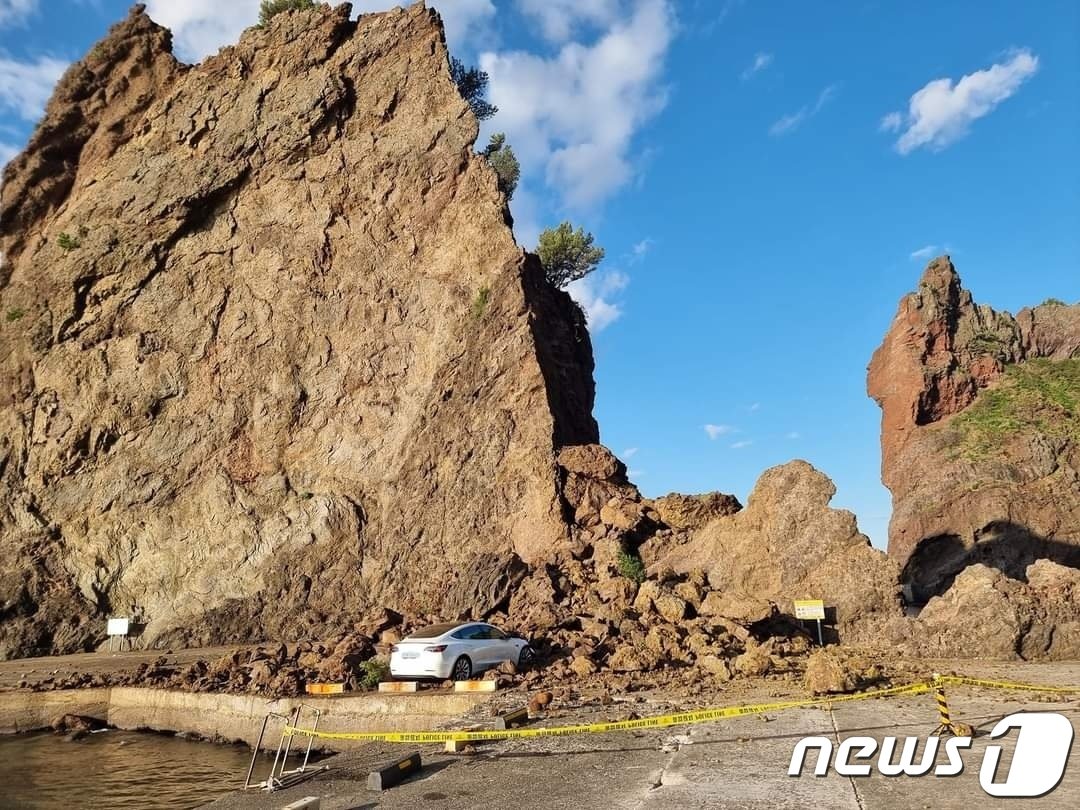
column 483, row 649
column 498, row 647
column 474, row 643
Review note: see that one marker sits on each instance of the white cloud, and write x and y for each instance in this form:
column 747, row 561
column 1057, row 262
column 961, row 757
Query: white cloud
column 572, row 116
column 639, row 249
column 201, row 27
column 587, row 172
column 761, row 61
column 632, row 474
column 789, row 123
column 941, row 113
column 13, row 12
column 709, row 26
column 741, row 444
column 559, row 19
column 716, row 431
column 613, row 281
column 755, row 407
column 924, row 252
column 463, row 20
column 794, row 435
column 25, row 87
column 893, row 122
column 629, row 452
column 528, row 216
column 597, row 294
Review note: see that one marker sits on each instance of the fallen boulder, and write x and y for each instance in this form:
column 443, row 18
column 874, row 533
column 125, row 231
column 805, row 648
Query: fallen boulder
column 826, row 673
column 694, row 511
column 788, row 544
column 989, row 615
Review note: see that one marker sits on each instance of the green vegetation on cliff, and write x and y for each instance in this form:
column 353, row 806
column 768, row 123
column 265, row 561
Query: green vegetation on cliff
column 1039, row 396
column 631, row 566
column 479, row 304
column 567, row 255
column 472, row 84
column 504, row 162
column 269, row 9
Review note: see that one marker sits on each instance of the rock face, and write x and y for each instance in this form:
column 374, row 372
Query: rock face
column 986, row 614
column 270, row 354
column 789, row 544
column 980, row 433
column 694, row 511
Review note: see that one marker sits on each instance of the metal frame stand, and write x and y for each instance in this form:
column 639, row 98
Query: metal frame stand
column 279, row 777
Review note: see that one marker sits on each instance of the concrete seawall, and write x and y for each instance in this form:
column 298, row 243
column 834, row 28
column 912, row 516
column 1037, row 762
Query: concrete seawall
column 233, row 717
column 32, row 711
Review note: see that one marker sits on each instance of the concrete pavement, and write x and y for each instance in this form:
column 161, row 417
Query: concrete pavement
column 738, row 763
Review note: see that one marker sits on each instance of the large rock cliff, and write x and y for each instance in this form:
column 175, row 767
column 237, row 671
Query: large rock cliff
column 272, row 365
column 980, row 433
column 270, row 356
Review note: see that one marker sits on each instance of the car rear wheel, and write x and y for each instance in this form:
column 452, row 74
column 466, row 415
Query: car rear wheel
column 462, row 670
column 527, row 656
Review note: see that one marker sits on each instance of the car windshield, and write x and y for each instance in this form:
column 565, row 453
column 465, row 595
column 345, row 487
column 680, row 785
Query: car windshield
column 435, row 630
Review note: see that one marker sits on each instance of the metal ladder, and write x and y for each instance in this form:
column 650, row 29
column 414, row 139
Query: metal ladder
column 279, row 777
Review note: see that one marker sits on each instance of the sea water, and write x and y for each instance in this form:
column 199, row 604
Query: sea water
column 117, row 769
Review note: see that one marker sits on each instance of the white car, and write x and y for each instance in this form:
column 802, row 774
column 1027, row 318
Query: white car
column 456, row 650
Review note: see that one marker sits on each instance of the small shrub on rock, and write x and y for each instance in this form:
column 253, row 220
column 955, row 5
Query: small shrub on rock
column 373, row 672
column 67, row 242
column 479, row 304
column 502, row 159
column 631, row 566
column 472, row 84
column 269, row 9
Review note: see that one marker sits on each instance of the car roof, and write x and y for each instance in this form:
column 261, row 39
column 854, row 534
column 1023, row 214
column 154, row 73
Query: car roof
column 436, row 630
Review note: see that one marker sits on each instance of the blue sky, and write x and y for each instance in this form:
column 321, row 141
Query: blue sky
column 768, row 178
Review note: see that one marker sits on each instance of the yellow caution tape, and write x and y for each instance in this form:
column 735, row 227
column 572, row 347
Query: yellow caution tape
column 661, row 721
column 1027, row 687
column 666, row 720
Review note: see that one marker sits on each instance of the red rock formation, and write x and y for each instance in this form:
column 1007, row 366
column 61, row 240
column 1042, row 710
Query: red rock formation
column 981, row 461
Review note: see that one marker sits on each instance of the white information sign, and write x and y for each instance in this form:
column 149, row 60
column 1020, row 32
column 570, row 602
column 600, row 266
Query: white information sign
column 809, row 609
